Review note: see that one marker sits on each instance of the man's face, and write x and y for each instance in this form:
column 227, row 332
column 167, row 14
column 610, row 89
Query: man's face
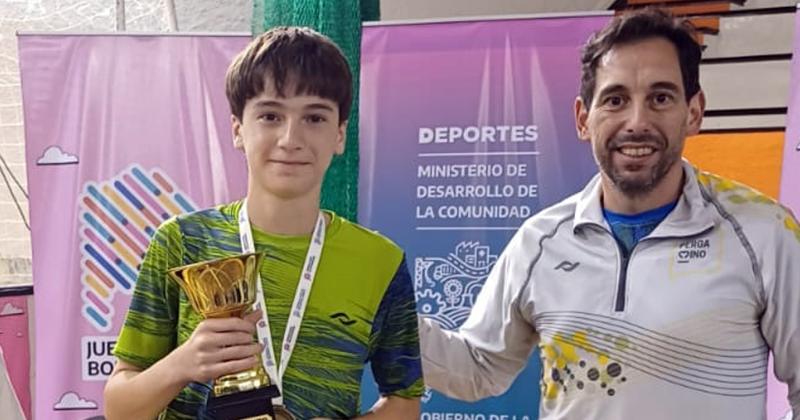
column 288, row 141
column 639, row 118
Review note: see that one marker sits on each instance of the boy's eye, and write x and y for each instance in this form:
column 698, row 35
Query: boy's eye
column 269, row 117
column 316, row 118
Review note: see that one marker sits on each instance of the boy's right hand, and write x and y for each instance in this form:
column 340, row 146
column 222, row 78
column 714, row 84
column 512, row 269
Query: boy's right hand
column 219, row 347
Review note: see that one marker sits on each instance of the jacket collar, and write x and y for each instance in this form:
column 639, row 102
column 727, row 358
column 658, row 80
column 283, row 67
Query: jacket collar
column 690, row 216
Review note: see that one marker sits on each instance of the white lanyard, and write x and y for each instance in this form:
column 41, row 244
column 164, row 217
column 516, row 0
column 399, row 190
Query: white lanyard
column 298, row 308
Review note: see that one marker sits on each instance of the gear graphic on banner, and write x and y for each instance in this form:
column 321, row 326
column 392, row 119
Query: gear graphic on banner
column 446, row 287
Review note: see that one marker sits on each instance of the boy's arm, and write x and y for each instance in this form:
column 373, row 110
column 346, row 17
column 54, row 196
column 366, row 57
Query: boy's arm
column 151, row 370
column 217, row 347
column 393, row 407
column 133, row 393
column 396, row 364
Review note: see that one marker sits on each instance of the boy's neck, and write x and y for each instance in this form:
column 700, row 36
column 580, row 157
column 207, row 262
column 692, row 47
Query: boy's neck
column 293, row 217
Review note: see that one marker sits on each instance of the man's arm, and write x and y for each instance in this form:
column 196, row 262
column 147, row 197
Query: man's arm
column 780, row 323
column 217, row 347
column 483, row 357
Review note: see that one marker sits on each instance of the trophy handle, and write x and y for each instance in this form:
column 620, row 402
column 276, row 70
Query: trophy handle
column 175, row 275
column 222, row 287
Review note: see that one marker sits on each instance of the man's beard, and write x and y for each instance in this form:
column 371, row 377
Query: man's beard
column 638, row 185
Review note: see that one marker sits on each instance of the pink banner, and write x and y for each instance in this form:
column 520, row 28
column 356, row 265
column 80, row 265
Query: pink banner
column 15, row 348
column 122, row 132
column 777, row 405
column 790, row 192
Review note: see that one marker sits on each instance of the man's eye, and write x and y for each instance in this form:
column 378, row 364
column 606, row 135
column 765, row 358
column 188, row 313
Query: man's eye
column 662, row 99
column 613, row 101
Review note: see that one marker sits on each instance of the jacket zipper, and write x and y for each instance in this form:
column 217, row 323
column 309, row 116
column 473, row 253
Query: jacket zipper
column 619, row 301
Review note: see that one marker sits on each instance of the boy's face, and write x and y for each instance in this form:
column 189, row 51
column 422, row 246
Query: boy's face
column 288, row 141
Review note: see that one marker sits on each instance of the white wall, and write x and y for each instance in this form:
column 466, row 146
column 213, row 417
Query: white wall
column 431, row 9
column 754, row 84
column 75, row 16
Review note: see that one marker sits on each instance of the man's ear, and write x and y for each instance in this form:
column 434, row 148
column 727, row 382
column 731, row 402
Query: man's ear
column 581, row 115
column 341, row 138
column 697, row 107
column 236, row 131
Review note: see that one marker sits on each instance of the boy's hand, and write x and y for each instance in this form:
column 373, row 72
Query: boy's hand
column 218, row 347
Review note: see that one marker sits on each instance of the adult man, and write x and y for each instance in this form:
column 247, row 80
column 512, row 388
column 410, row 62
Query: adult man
column 290, row 95
column 658, row 290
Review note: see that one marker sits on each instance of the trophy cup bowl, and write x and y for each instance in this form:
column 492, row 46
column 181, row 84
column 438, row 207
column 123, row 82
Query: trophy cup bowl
column 225, row 288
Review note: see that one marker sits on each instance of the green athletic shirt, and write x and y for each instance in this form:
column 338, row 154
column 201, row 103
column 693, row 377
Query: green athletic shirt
column 361, row 309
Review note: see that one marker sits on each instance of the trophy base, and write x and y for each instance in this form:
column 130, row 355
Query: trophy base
column 255, row 404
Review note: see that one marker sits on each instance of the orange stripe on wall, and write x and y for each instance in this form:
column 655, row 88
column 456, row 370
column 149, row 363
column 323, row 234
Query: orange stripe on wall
column 751, row 158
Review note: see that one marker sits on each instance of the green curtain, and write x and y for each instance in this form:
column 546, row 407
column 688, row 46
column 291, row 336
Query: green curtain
column 341, row 21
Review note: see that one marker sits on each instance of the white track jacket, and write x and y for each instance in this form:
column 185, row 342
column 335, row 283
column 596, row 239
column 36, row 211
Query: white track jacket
column 679, row 330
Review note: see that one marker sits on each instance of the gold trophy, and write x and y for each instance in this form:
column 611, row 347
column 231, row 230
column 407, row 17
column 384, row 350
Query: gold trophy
column 225, row 288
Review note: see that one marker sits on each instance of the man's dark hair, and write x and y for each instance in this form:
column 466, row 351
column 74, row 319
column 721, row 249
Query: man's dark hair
column 299, row 58
column 636, row 26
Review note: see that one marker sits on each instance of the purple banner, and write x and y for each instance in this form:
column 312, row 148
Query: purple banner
column 122, row 132
column 790, row 192
column 467, row 130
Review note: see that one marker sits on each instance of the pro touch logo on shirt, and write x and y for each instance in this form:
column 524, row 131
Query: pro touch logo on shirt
column 343, row 318
column 117, row 219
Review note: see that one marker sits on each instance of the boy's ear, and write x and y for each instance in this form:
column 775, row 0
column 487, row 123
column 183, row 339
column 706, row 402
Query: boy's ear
column 340, row 138
column 236, row 131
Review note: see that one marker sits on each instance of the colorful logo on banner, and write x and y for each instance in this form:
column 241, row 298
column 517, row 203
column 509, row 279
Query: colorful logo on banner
column 117, row 219
column 448, row 286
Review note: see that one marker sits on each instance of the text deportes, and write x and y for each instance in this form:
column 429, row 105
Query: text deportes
column 479, row 134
